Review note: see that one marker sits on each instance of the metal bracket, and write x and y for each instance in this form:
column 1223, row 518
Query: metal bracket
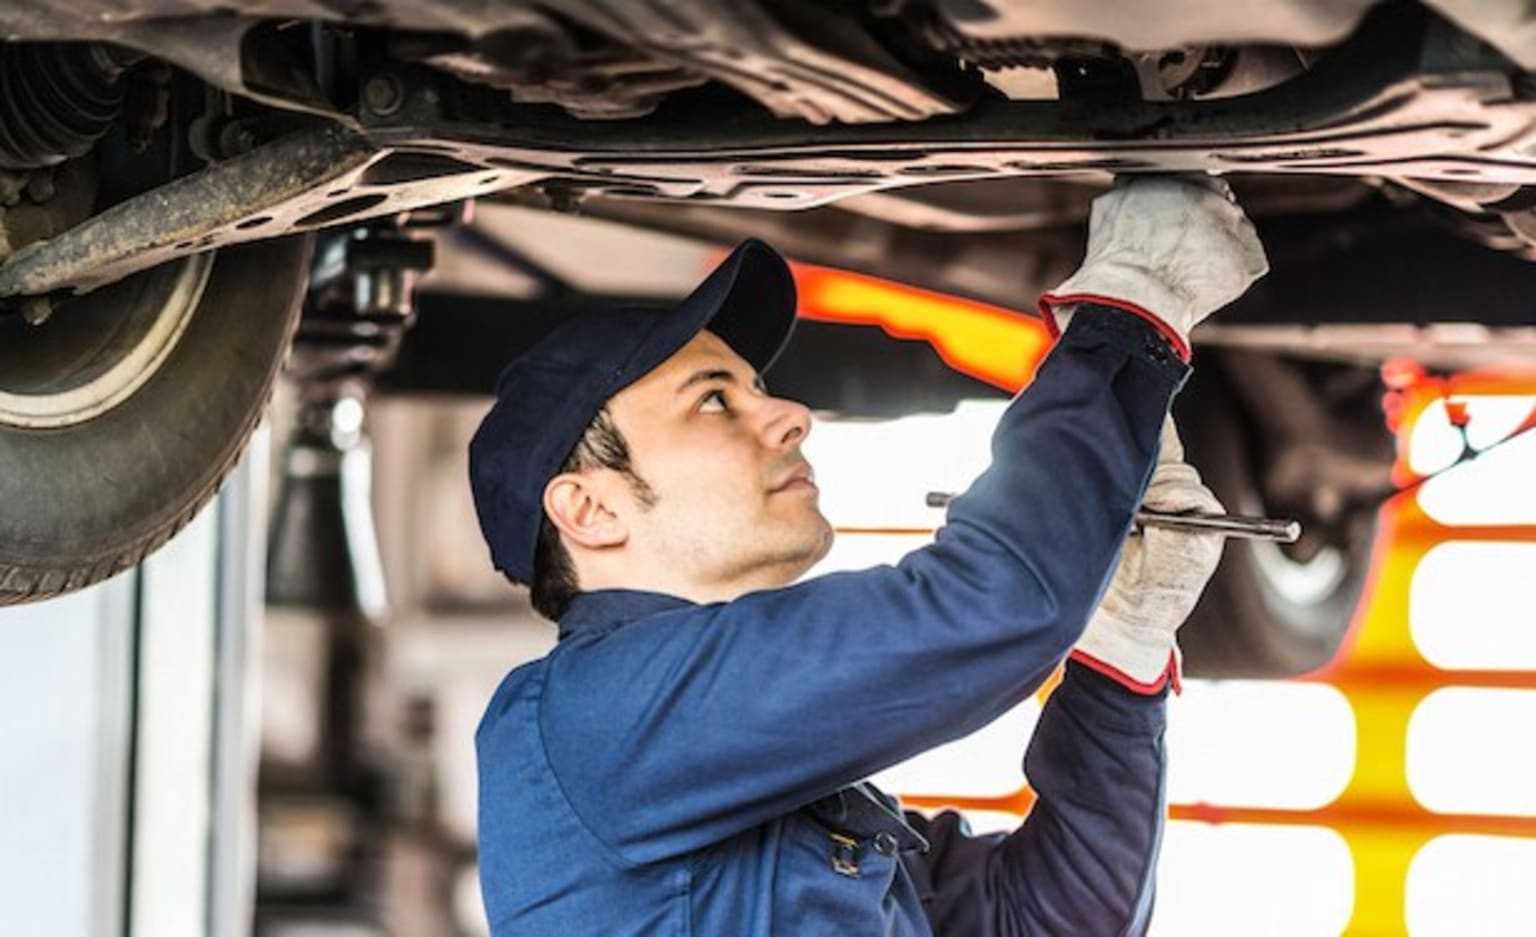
column 1407, row 96
column 309, row 180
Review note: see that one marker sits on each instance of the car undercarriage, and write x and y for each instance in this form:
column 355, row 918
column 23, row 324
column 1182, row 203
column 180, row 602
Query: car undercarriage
column 546, row 102
column 156, row 158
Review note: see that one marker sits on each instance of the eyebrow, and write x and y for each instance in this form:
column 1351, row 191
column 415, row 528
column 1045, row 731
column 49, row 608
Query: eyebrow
column 718, row 374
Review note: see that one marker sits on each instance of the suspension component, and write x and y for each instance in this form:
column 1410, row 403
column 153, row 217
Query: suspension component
column 323, row 549
column 57, row 99
column 358, row 310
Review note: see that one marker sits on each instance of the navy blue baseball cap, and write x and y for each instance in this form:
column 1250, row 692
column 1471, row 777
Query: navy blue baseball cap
column 546, row 397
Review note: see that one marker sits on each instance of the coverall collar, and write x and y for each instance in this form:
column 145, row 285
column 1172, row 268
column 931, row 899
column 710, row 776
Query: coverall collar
column 608, row 608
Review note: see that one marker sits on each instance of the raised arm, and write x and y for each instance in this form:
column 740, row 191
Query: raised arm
column 717, row 718
column 1084, row 859
column 681, row 729
column 1082, row 862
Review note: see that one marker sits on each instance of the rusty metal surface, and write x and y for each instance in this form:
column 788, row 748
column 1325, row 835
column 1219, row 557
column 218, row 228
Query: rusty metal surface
column 842, row 76
column 310, row 180
column 796, row 57
column 826, row 71
column 1407, row 97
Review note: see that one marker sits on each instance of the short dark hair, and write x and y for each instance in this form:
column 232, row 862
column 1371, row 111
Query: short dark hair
column 554, row 575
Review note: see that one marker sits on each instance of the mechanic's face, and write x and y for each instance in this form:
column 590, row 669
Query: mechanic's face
column 736, row 506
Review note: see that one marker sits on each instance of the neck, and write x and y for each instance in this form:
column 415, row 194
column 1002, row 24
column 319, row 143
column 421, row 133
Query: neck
column 595, row 576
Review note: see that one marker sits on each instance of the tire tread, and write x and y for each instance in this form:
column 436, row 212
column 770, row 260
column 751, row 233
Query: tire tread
column 20, row 584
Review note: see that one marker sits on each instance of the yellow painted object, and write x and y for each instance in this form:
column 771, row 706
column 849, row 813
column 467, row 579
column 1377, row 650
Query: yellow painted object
column 1382, row 672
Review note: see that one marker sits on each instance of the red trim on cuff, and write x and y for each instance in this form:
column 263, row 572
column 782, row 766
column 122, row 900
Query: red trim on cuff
column 1051, row 325
column 1168, row 678
column 1048, row 300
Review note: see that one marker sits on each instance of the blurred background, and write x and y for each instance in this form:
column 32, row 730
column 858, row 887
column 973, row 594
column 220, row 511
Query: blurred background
column 270, row 723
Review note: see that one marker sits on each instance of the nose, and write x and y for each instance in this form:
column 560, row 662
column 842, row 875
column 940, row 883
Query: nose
column 787, row 422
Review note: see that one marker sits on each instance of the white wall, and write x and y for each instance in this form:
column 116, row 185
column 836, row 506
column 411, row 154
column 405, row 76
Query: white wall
column 64, row 740
column 127, row 743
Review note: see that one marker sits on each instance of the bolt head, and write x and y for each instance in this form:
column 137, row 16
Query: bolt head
column 383, row 94
column 35, row 310
column 40, row 187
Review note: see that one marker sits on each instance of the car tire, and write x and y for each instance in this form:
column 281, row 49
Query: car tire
column 121, row 414
column 1267, row 612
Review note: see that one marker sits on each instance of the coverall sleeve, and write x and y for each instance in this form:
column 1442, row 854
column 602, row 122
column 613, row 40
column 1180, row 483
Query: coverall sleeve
column 1083, row 860
column 681, row 729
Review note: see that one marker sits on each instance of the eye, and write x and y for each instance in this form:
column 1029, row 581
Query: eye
column 714, row 402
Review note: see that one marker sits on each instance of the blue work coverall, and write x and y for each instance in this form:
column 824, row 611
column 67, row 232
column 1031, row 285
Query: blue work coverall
column 681, row 769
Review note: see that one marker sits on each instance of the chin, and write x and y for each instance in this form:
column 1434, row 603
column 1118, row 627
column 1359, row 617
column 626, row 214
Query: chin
column 823, row 542
column 805, row 551
column 817, row 546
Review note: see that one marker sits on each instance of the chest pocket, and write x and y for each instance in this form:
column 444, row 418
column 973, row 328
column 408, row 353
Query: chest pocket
column 842, row 869
column 858, row 821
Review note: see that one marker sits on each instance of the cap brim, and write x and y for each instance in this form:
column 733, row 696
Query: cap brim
column 749, row 301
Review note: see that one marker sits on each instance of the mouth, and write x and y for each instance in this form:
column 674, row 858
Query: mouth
column 803, row 478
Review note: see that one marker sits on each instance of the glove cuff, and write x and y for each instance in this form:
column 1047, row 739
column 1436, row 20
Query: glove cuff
column 1049, row 311
column 1168, row 677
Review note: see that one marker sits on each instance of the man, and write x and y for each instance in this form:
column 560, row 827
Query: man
column 688, row 759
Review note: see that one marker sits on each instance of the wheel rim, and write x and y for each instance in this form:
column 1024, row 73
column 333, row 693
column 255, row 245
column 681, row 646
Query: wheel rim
column 96, row 350
column 1301, row 582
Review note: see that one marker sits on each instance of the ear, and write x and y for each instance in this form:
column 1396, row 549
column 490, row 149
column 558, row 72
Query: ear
column 575, row 504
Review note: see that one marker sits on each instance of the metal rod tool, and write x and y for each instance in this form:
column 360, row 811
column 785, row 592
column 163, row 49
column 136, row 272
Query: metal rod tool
column 1231, row 525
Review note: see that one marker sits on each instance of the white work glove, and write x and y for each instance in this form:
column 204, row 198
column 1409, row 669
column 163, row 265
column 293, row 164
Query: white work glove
column 1176, row 247
column 1157, row 582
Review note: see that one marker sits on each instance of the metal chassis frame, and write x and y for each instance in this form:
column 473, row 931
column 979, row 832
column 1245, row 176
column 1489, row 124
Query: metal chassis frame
column 1408, row 96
